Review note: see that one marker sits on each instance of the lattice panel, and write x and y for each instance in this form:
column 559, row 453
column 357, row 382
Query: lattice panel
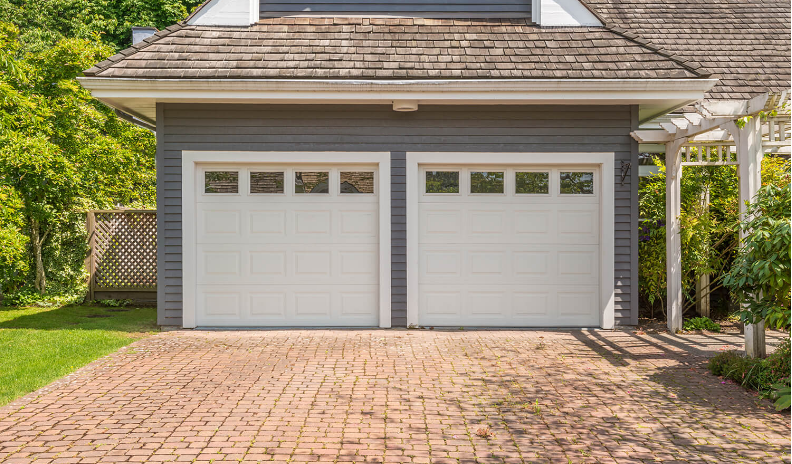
column 125, row 250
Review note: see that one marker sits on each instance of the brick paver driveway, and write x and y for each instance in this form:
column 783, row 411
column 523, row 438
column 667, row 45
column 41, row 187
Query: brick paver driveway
column 397, row 396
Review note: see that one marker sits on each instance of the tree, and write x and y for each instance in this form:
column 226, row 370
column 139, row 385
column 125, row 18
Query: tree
column 709, row 225
column 13, row 252
column 46, row 22
column 60, row 149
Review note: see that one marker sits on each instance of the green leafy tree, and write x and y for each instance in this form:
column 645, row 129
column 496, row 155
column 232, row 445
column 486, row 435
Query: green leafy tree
column 13, row 243
column 63, row 151
column 709, row 225
column 45, row 22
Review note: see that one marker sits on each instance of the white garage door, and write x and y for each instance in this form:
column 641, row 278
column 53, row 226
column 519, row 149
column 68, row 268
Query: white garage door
column 509, row 246
column 287, row 246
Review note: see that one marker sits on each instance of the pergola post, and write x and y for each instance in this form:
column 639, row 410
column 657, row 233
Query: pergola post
column 748, row 141
column 673, row 240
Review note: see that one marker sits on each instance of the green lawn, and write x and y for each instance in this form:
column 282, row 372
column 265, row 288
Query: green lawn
column 40, row 345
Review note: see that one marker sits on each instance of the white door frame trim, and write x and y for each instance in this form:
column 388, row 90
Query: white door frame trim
column 605, row 161
column 190, row 160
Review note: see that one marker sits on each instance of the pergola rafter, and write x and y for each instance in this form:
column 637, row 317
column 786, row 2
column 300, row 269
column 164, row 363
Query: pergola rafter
column 719, row 133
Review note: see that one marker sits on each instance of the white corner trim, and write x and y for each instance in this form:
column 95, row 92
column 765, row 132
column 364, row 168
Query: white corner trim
column 536, row 11
column 255, row 11
column 190, row 160
column 606, row 162
column 564, row 13
column 227, row 13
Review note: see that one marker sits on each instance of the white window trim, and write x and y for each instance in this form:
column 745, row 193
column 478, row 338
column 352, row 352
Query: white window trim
column 191, row 168
column 605, row 162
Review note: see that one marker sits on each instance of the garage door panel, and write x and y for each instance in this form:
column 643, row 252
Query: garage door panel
column 218, row 223
column 508, row 306
column 287, row 264
column 516, row 224
column 288, row 305
column 282, row 258
column 511, row 258
column 581, row 302
column 486, row 223
column 266, row 224
column 509, row 264
column 250, row 223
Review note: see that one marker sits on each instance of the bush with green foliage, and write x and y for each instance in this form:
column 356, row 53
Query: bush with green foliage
column 767, row 376
column 701, row 323
column 761, row 275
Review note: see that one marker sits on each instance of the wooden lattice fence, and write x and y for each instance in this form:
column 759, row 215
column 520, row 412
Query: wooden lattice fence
column 122, row 263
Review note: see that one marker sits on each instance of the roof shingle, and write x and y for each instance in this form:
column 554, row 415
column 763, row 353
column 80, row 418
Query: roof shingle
column 393, row 48
column 744, row 43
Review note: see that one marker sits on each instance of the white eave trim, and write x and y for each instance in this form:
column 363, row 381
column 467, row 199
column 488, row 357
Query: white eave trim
column 593, row 90
column 654, row 96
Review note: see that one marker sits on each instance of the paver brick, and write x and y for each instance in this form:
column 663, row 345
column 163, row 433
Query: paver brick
column 396, row 396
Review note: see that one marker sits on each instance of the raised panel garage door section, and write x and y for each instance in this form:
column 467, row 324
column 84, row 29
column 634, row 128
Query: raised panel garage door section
column 509, row 246
column 287, row 246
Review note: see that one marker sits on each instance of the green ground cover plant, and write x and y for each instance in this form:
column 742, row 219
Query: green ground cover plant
column 40, row 345
column 767, row 376
column 701, row 323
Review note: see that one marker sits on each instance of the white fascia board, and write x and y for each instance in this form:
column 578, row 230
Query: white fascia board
column 657, row 94
column 569, row 90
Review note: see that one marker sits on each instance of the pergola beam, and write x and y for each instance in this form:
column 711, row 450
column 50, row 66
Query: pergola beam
column 733, row 108
column 717, row 119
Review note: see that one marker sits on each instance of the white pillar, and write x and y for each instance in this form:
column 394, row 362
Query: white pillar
column 748, row 140
column 673, row 239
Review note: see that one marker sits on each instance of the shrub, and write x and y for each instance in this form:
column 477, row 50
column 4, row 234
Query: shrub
column 769, row 376
column 760, row 276
column 701, row 323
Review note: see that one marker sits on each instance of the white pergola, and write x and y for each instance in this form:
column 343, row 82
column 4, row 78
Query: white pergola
column 714, row 130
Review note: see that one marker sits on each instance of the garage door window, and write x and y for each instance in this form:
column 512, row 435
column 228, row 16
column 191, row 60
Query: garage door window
column 442, row 181
column 486, row 182
column 577, row 183
column 532, row 183
column 266, row 182
column 311, row 182
column 221, row 182
column 357, row 182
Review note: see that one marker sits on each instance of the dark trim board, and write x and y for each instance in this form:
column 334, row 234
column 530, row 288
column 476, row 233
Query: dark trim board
column 377, row 128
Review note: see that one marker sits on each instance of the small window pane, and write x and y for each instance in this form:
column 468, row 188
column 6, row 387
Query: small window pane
column 311, row 182
column 486, row 182
column 266, row 182
column 442, row 181
column 577, row 183
column 357, row 182
column 221, row 182
column 532, row 182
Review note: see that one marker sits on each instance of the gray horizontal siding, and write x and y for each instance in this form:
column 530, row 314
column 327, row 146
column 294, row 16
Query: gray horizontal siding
column 378, row 128
column 426, row 8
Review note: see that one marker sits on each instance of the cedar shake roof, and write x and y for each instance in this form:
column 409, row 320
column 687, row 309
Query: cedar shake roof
column 393, row 48
column 745, row 44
